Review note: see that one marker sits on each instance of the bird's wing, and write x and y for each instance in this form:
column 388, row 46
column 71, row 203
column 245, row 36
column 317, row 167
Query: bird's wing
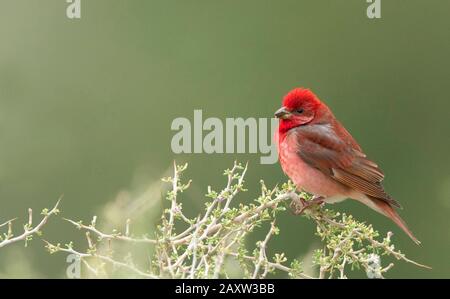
column 337, row 154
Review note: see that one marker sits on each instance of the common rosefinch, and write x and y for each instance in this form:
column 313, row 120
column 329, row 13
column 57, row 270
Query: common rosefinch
column 322, row 158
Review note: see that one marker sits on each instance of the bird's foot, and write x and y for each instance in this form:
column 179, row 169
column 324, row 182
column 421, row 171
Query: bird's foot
column 299, row 205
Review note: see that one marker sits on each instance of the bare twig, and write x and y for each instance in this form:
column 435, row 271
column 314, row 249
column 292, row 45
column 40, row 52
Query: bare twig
column 28, row 229
column 115, row 236
column 107, row 259
column 262, row 253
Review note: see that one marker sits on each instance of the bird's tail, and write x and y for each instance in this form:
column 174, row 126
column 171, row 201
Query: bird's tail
column 386, row 209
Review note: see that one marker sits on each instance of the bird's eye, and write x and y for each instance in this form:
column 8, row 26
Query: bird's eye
column 299, row 111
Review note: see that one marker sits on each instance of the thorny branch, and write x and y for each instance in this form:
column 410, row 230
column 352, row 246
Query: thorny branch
column 351, row 243
column 203, row 246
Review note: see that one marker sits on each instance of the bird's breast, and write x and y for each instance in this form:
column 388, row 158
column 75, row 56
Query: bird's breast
column 303, row 175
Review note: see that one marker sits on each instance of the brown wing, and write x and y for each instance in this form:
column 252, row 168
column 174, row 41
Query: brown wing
column 322, row 148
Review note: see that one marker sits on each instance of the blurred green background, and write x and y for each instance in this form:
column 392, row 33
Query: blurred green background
column 86, row 106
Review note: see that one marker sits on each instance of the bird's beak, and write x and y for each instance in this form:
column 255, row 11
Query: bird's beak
column 282, row 113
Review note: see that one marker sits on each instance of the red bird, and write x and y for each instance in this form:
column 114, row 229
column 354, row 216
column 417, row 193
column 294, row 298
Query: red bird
column 322, row 158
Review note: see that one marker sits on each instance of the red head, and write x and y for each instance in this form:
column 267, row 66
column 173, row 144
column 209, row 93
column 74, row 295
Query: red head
column 300, row 107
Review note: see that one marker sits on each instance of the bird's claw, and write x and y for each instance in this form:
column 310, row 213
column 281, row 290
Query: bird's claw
column 299, row 205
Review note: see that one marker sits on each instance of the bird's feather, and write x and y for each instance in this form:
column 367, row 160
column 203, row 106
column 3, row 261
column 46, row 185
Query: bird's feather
column 331, row 149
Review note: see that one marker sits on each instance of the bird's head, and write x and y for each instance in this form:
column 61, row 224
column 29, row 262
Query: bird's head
column 300, row 107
